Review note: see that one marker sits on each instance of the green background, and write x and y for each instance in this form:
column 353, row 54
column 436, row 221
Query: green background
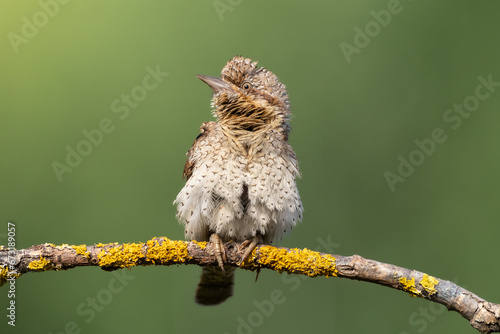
column 352, row 121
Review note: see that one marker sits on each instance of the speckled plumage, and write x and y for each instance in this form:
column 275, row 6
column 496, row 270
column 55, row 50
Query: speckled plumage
column 241, row 170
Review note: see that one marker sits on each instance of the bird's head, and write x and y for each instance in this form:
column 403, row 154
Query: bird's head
column 248, row 98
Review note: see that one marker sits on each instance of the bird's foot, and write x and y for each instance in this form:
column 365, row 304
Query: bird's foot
column 218, row 250
column 250, row 246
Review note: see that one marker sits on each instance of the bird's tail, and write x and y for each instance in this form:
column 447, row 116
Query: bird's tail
column 215, row 287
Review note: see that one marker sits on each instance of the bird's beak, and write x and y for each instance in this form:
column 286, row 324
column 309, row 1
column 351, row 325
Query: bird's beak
column 216, row 84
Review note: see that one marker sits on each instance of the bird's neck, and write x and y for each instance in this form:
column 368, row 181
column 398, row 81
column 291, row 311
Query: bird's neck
column 247, row 120
column 250, row 122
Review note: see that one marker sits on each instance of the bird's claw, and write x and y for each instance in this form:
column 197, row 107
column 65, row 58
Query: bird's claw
column 219, row 251
column 250, row 245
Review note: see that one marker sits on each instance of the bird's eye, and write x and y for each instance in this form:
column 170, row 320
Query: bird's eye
column 246, row 85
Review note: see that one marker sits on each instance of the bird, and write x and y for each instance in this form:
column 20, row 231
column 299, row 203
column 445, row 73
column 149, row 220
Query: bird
column 240, row 172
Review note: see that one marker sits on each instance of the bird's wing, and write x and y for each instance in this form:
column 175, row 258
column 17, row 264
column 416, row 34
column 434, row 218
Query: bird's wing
column 205, row 130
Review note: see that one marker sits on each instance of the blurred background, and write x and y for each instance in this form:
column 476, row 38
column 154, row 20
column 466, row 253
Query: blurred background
column 367, row 80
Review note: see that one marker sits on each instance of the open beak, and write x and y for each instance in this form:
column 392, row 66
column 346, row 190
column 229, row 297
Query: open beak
column 216, row 84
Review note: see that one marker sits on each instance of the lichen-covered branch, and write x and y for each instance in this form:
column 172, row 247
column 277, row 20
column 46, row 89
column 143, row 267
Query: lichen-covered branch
column 483, row 316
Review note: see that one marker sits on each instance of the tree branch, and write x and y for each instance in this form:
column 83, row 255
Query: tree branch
column 483, row 316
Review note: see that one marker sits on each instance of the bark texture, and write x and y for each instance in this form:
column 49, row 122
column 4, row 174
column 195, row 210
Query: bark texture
column 482, row 315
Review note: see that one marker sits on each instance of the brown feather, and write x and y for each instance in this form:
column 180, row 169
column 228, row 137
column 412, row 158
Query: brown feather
column 205, row 129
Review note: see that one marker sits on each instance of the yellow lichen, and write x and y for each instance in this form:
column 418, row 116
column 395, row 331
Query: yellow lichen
column 120, row 256
column 81, row 250
column 201, row 244
column 429, row 283
column 167, row 251
column 409, row 286
column 62, row 246
column 11, row 274
column 296, row 260
column 3, row 275
column 40, row 265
